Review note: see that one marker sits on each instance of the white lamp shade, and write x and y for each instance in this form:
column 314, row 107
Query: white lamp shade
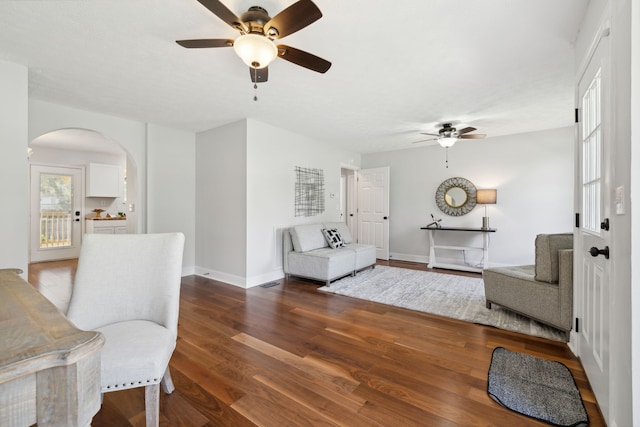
column 255, row 50
column 447, row 141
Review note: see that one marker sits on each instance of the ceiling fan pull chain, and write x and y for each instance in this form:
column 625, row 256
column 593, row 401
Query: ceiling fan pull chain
column 446, row 150
column 255, row 84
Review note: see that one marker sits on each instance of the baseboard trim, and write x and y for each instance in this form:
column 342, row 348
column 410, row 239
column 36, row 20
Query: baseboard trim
column 221, row 277
column 241, row 282
column 396, row 256
column 264, row 278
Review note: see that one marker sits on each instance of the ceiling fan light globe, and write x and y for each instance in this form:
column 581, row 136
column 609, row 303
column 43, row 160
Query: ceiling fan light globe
column 447, row 141
column 255, row 50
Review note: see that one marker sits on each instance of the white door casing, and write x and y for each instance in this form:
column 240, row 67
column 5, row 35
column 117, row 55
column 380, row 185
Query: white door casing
column 593, row 200
column 373, row 209
column 56, row 233
column 352, row 205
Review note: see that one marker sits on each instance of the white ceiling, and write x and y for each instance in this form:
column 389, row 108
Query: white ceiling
column 399, row 68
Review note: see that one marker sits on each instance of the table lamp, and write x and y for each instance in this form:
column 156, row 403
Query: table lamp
column 486, row 197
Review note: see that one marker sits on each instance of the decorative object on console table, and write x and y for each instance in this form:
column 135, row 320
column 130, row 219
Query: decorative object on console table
column 486, row 197
column 435, row 223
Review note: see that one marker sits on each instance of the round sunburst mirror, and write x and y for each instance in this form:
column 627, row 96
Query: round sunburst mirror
column 456, row 196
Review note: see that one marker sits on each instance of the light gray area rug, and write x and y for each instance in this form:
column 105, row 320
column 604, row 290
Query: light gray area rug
column 535, row 387
column 458, row 297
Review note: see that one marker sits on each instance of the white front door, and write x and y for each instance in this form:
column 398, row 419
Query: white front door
column 56, row 220
column 373, row 209
column 592, row 239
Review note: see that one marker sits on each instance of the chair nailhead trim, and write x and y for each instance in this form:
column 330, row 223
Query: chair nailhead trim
column 108, row 387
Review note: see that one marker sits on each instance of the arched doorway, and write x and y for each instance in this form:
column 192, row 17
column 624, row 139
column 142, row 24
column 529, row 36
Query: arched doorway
column 59, row 201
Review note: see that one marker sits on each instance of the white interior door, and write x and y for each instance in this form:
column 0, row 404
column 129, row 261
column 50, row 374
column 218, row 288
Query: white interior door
column 592, row 270
column 373, row 209
column 56, row 221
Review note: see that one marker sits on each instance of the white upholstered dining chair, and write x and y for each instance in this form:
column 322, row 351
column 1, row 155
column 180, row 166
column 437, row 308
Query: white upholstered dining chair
column 127, row 286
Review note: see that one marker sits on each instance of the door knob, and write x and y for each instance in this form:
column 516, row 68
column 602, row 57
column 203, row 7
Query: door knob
column 604, row 225
column 385, row 217
column 595, row 252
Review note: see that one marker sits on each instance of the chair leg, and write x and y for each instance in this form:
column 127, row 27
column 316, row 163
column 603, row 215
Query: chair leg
column 152, row 405
column 167, row 382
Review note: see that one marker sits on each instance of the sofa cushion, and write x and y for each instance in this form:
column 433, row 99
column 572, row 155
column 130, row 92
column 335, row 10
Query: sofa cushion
column 333, row 237
column 547, row 247
column 322, row 264
column 365, row 255
column 342, row 229
column 308, row 237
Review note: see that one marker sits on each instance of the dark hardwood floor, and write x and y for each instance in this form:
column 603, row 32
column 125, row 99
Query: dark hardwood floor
column 289, row 355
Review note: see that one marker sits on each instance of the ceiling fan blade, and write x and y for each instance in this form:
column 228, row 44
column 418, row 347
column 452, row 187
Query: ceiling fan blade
column 424, row 140
column 202, row 43
column 303, row 59
column 294, row 18
column 473, row 136
column 259, row 75
column 465, row 130
column 221, row 11
column 426, row 133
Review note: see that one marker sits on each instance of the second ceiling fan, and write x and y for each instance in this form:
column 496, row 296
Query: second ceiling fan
column 448, row 135
column 258, row 31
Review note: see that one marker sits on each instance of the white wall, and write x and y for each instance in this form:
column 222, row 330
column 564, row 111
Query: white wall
column 620, row 282
column 272, row 155
column 221, row 203
column 14, row 183
column 45, row 117
column 532, row 172
column 139, row 140
column 245, row 196
column 635, row 212
column 171, row 181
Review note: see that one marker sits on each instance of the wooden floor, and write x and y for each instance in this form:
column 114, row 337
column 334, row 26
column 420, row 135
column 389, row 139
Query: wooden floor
column 289, row 355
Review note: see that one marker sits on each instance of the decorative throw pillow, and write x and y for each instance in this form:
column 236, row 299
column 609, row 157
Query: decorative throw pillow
column 333, row 237
column 342, row 229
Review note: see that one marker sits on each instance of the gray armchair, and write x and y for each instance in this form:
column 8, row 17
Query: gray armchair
column 543, row 291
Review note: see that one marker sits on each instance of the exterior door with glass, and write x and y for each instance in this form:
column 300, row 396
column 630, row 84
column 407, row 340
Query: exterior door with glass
column 56, row 220
column 593, row 239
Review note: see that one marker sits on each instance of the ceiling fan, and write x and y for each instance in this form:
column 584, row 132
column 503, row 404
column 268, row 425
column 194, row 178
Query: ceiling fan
column 258, row 31
column 448, row 135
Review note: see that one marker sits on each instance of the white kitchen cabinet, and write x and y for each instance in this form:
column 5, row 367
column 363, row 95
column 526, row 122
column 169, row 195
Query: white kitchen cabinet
column 104, row 180
column 106, row 226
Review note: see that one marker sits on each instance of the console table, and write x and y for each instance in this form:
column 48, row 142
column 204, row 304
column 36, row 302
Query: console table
column 49, row 369
column 433, row 261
